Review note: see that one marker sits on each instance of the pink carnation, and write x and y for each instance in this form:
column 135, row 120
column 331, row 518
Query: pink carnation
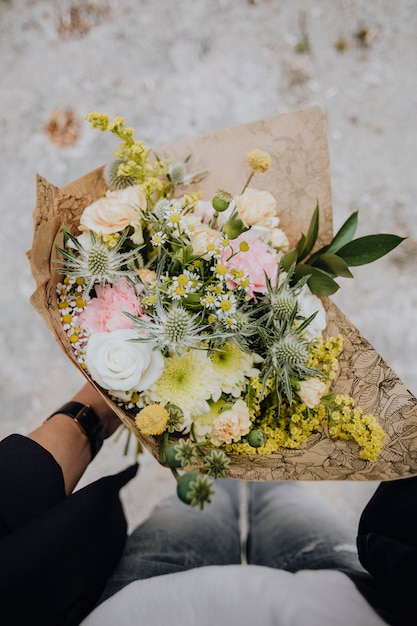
column 259, row 260
column 231, row 425
column 105, row 312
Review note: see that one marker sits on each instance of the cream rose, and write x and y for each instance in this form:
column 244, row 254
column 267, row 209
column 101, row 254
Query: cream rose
column 256, row 207
column 192, row 222
column 117, row 363
column 203, row 238
column 311, row 391
column 278, row 240
column 231, row 425
column 116, row 211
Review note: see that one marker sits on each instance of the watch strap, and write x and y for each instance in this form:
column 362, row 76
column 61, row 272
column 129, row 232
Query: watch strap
column 87, row 420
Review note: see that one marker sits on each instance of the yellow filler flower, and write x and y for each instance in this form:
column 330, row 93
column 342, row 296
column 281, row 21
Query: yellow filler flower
column 152, row 420
column 258, row 160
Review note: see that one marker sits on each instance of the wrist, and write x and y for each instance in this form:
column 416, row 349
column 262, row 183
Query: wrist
column 87, row 421
column 88, row 395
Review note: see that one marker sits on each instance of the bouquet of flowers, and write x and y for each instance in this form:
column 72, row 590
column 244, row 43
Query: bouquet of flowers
column 201, row 322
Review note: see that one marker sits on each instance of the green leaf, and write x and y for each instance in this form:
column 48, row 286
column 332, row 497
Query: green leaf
column 289, row 259
column 300, row 245
column 345, row 233
column 322, row 285
column 333, row 264
column 311, row 237
column 369, row 248
column 319, row 282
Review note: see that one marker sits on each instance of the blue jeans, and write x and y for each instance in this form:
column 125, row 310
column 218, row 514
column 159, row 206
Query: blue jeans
column 289, row 528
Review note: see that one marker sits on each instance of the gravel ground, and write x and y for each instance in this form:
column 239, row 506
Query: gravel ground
column 174, row 70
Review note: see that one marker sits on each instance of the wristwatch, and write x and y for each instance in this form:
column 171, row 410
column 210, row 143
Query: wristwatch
column 88, row 422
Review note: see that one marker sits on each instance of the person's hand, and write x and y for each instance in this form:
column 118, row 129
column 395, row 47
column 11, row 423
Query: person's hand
column 88, row 395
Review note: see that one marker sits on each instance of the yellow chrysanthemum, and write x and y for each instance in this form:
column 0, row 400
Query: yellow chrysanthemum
column 152, row 420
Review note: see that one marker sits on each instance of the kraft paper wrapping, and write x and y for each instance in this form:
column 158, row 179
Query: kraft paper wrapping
column 298, row 177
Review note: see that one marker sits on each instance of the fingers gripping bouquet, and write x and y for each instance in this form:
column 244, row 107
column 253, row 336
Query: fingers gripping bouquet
column 202, row 322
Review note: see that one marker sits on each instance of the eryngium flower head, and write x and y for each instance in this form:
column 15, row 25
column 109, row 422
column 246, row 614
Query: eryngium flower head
column 113, row 179
column 174, row 329
column 177, row 173
column 286, row 358
column 99, row 264
column 290, row 352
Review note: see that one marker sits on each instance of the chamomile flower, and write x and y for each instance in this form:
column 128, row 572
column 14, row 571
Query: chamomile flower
column 183, row 284
column 220, row 271
column 240, row 277
column 158, row 239
column 226, row 304
column 173, row 215
column 208, row 301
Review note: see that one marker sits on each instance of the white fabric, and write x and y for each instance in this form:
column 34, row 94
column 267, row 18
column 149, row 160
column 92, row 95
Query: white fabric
column 247, row 595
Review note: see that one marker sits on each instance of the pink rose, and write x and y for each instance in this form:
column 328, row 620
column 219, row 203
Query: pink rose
column 105, row 312
column 259, row 260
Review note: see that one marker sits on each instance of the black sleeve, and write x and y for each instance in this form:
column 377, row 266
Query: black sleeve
column 59, row 552
column 387, row 542
column 31, row 482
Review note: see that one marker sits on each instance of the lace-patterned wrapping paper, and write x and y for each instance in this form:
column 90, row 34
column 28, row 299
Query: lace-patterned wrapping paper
column 298, row 177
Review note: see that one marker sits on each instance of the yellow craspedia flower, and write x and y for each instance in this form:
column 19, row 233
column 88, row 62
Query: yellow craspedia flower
column 152, row 420
column 258, row 160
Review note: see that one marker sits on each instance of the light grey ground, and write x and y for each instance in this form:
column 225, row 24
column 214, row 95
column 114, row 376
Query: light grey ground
column 175, row 69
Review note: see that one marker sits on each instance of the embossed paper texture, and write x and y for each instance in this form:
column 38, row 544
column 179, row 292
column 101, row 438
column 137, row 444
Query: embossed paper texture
column 298, row 177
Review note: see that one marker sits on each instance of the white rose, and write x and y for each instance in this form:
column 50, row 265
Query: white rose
column 311, row 391
column 308, row 304
column 256, row 207
column 231, row 425
column 201, row 239
column 115, row 212
column 117, row 363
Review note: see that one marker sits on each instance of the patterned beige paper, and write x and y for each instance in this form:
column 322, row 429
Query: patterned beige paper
column 298, row 177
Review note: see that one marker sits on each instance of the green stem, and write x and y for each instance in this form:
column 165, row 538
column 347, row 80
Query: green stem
column 126, row 448
column 248, row 181
column 162, row 449
column 175, row 473
column 214, row 219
